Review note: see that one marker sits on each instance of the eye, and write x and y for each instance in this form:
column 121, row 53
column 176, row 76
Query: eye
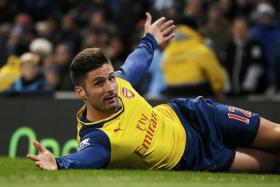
column 98, row 83
column 112, row 78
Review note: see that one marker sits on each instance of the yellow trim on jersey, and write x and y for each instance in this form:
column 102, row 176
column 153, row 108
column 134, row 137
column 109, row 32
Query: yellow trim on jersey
column 80, row 113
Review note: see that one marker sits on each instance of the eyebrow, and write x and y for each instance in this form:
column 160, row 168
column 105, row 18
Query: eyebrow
column 102, row 77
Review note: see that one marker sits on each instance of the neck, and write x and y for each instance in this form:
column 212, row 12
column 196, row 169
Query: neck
column 94, row 114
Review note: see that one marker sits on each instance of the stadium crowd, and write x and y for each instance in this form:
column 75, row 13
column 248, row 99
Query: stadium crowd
column 222, row 47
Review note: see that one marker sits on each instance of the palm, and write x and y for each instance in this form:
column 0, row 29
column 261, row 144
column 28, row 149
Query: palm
column 161, row 30
column 45, row 159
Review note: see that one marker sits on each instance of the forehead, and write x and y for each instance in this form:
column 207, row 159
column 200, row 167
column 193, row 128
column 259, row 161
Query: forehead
column 103, row 71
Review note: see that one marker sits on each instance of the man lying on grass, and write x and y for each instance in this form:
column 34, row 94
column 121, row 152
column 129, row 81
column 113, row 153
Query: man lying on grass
column 117, row 128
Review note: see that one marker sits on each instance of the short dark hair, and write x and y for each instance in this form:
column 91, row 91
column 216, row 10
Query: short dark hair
column 87, row 60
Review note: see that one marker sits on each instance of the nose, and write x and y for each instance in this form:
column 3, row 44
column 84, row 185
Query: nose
column 109, row 86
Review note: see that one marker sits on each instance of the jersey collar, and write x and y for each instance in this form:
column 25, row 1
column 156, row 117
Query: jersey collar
column 83, row 121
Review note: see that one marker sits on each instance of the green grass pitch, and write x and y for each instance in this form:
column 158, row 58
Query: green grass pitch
column 22, row 172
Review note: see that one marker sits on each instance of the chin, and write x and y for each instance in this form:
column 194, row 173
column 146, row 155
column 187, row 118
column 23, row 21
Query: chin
column 112, row 106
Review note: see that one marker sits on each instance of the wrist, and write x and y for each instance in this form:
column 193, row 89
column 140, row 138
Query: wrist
column 149, row 37
column 58, row 163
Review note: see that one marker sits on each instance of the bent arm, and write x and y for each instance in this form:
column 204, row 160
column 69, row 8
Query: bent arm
column 92, row 157
column 139, row 61
column 94, row 152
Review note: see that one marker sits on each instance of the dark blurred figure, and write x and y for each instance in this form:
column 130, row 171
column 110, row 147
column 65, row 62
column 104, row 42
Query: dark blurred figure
column 244, row 61
column 90, row 39
column 115, row 51
column 228, row 8
column 216, row 29
column 244, row 7
column 8, row 9
column 49, row 29
column 193, row 10
column 39, row 10
column 86, row 8
column 131, row 12
column 20, row 35
column 69, row 32
column 267, row 30
column 52, row 77
column 63, row 56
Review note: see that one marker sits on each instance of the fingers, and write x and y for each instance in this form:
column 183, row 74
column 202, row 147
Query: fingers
column 167, row 24
column 32, row 157
column 40, row 165
column 169, row 37
column 45, row 166
column 149, row 19
column 168, row 30
column 39, row 147
column 160, row 21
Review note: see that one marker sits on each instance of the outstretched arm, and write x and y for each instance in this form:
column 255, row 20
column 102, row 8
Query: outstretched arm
column 139, row 61
column 94, row 152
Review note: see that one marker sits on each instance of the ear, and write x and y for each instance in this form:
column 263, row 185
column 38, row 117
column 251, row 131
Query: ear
column 80, row 92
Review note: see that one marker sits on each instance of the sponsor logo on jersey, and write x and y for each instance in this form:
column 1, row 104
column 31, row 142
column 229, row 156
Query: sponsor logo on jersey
column 149, row 127
column 127, row 93
column 83, row 144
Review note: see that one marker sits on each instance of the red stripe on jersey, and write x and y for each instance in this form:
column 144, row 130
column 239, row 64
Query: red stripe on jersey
column 239, row 118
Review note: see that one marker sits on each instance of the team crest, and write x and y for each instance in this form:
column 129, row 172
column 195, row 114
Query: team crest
column 127, row 93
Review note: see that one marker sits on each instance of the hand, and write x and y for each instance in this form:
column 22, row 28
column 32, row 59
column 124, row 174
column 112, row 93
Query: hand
column 161, row 30
column 45, row 159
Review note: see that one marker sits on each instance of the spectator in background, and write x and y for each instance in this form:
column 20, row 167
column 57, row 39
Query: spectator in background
column 216, row 29
column 52, row 77
column 41, row 46
column 9, row 73
column 189, row 66
column 5, row 30
column 244, row 8
column 90, row 39
column 31, row 81
column 244, row 61
column 47, row 29
column 85, row 9
column 102, row 27
column 63, row 57
column 277, row 67
column 112, row 25
column 39, row 10
column 228, row 8
column 193, row 10
column 115, row 51
column 267, row 30
column 18, row 39
column 69, row 32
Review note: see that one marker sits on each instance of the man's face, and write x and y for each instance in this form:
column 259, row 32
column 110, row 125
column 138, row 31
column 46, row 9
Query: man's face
column 101, row 89
column 29, row 70
column 240, row 30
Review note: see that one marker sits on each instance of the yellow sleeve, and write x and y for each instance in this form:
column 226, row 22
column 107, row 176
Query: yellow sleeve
column 9, row 73
column 213, row 70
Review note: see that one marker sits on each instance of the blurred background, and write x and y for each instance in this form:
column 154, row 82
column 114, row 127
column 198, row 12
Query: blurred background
column 228, row 50
column 223, row 48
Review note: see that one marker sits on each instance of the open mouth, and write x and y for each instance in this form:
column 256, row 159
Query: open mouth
column 111, row 97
